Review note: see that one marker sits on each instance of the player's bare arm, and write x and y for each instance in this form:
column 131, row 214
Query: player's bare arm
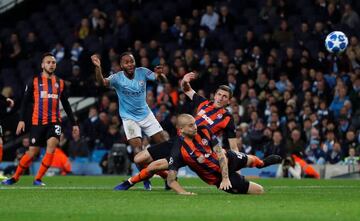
column 160, row 76
column 98, row 72
column 225, row 183
column 171, row 180
column 185, row 84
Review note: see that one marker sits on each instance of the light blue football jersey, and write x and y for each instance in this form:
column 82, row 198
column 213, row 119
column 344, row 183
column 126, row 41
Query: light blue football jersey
column 132, row 93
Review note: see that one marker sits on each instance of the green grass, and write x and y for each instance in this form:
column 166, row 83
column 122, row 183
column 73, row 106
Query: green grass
column 92, row 198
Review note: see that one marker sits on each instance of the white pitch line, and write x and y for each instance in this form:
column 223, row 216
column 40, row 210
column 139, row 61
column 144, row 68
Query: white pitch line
column 158, row 187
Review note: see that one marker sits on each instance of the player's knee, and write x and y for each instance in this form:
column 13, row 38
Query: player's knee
column 255, row 188
column 138, row 158
column 260, row 190
column 142, row 157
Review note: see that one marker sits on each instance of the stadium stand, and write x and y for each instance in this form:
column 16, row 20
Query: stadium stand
column 270, row 52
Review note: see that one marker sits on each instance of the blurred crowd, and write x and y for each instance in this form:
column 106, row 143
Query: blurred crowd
column 290, row 94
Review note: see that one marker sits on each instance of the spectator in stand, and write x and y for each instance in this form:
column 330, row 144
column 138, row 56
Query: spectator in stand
column 91, row 127
column 84, row 29
column 328, row 144
column 314, row 153
column 349, row 142
column 113, row 136
column 353, row 158
column 175, row 28
column 276, row 146
column 204, row 41
column 78, row 147
column 283, row 35
column 335, row 155
column 96, row 17
column 164, row 35
column 104, row 103
column 59, row 52
column 210, row 19
column 226, row 19
column 76, row 82
column 332, row 15
column 339, row 100
column 76, row 52
column 268, row 11
column 14, row 49
column 350, row 17
column 295, row 145
column 32, row 45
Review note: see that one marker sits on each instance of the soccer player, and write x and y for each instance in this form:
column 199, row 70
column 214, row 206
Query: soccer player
column 46, row 91
column 130, row 86
column 197, row 148
column 4, row 103
column 213, row 113
column 210, row 114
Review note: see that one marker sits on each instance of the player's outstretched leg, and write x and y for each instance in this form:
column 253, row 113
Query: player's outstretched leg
column 270, row 160
column 254, row 161
column 144, row 158
column 136, row 145
column 144, row 174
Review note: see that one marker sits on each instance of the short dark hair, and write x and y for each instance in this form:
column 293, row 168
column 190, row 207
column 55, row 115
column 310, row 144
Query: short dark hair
column 225, row 88
column 124, row 54
column 47, row 54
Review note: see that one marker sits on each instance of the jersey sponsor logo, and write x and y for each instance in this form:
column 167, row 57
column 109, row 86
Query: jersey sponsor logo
column 133, row 94
column 45, row 94
column 202, row 114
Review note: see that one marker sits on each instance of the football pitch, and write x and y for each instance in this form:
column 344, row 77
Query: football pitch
column 92, row 198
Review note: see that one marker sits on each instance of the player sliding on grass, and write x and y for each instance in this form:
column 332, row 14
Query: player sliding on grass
column 197, row 148
column 46, row 91
column 211, row 114
column 130, row 86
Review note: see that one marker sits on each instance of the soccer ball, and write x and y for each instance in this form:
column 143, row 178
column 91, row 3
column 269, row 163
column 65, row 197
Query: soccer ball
column 336, row 42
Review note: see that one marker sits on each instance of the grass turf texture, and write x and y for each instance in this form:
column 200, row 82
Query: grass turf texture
column 92, row 198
